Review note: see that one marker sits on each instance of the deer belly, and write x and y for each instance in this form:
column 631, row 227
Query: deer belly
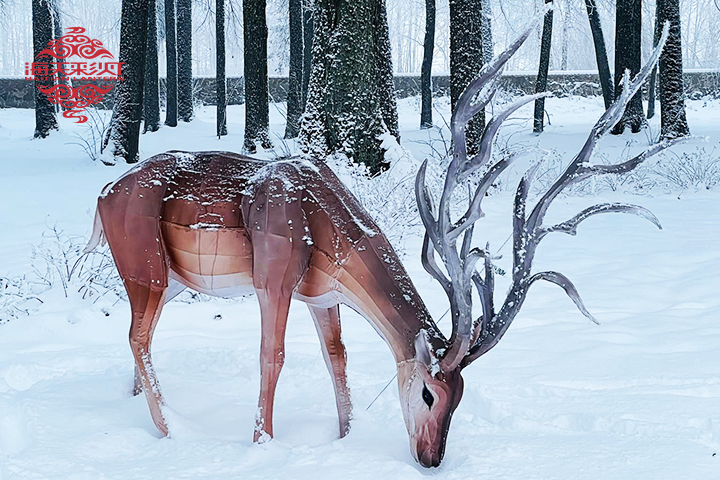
column 214, row 261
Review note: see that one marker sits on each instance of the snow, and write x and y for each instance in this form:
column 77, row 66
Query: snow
column 637, row 397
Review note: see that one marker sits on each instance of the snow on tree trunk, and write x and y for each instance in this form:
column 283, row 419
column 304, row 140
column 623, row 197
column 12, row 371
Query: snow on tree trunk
column 45, row 119
column 600, row 53
column 151, row 94
column 184, row 60
column 257, row 108
column 294, row 94
column 628, row 29
column 544, row 66
column 308, row 32
column 351, row 98
column 124, row 133
column 672, row 96
column 487, row 36
column 466, row 59
column 426, row 69
column 171, row 85
column 220, row 86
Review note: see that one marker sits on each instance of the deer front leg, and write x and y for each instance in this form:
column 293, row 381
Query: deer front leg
column 146, row 306
column 273, row 311
column 327, row 323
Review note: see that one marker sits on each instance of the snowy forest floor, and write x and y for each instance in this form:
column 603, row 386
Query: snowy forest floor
column 637, row 397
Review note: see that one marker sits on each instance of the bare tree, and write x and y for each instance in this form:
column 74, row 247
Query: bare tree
column 628, row 31
column 295, row 78
column 426, row 69
column 544, row 66
column 600, row 52
column 220, row 99
column 45, row 120
column 123, row 136
column 466, row 58
column 151, row 94
column 351, row 98
column 171, row 83
column 308, row 33
column 257, row 107
column 672, row 96
column 184, row 60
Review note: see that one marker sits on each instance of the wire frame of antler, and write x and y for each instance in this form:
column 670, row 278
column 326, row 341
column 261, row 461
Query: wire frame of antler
column 470, row 337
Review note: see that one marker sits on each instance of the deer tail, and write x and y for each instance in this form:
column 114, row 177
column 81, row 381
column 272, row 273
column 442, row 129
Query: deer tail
column 97, row 236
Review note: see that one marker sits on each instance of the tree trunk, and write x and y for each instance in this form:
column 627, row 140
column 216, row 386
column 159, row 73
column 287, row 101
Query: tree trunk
column 652, row 84
column 627, row 57
column 184, row 60
column 124, row 134
column 221, row 100
column 57, row 33
column 541, row 83
column 487, row 37
column 257, row 108
column 351, row 99
column 466, row 59
column 600, row 53
column 45, row 119
column 171, row 85
column 672, row 97
column 384, row 74
column 294, row 94
column 308, row 32
column 426, row 69
column 151, row 94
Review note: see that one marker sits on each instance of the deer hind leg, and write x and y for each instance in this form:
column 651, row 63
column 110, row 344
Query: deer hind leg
column 274, row 311
column 327, row 323
column 146, row 305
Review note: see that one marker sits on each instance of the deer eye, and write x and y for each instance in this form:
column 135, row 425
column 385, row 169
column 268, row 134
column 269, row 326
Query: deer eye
column 427, row 396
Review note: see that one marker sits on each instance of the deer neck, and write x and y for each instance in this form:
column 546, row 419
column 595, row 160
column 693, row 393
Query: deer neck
column 374, row 282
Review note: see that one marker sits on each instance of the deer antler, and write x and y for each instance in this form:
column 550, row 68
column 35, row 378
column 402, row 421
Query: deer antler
column 473, row 338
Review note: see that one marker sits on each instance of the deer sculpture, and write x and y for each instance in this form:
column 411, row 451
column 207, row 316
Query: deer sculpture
column 225, row 224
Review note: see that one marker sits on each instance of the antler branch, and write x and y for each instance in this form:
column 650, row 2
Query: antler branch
column 471, row 339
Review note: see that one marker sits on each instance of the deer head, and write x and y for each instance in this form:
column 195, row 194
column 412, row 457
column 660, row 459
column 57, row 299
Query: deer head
column 431, row 386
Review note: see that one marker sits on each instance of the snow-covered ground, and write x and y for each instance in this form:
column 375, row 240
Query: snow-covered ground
column 637, row 397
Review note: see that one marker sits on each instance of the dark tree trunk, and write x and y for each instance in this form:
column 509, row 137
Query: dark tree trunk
column 257, row 108
column 308, row 32
column 124, row 134
column 184, row 60
column 351, row 99
column 672, row 97
column 541, row 83
column 171, row 84
column 294, row 94
column 384, row 78
column 151, row 94
column 487, row 37
column 57, row 33
column 653, row 75
column 426, row 69
column 627, row 57
column 600, row 53
column 466, row 59
column 220, row 98
column 45, row 119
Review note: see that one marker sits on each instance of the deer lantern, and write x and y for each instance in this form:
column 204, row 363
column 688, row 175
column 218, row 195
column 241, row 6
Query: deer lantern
column 225, row 224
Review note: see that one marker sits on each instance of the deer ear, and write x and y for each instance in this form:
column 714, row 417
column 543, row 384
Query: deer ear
column 423, row 350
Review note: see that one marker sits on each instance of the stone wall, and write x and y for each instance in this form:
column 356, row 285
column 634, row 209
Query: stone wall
column 18, row 93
